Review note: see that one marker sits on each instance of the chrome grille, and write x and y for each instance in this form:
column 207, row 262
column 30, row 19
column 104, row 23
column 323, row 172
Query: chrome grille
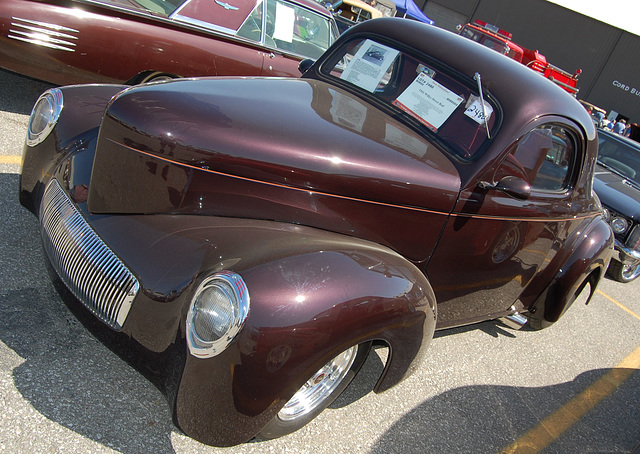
column 93, row 273
column 43, row 34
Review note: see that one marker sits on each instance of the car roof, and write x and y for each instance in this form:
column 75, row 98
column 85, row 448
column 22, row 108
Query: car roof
column 523, row 93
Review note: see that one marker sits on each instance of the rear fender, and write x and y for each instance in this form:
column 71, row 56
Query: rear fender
column 587, row 262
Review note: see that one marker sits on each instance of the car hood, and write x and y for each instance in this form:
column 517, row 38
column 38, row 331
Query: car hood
column 291, row 150
column 617, row 193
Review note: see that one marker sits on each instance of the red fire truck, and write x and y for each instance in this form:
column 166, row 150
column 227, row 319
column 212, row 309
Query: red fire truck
column 500, row 40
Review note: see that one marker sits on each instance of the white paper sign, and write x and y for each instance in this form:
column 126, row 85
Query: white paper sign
column 428, row 101
column 285, row 20
column 369, row 65
column 475, row 112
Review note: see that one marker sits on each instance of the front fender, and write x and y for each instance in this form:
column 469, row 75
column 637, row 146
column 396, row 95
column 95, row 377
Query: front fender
column 306, row 308
column 586, row 263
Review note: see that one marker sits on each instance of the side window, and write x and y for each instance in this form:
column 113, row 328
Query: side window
column 252, row 26
column 295, row 29
column 543, row 157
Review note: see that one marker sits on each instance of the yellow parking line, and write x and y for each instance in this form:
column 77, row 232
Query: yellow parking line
column 554, row 425
column 565, row 417
column 10, row 159
column 618, row 304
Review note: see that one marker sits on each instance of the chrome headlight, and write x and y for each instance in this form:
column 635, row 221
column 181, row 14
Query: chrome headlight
column 619, row 225
column 44, row 116
column 217, row 313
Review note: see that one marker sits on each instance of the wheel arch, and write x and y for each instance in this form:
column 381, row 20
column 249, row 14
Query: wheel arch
column 151, row 76
column 586, row 264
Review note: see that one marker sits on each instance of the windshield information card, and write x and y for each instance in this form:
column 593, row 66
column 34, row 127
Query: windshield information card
column 428, row 101
column 369, row 65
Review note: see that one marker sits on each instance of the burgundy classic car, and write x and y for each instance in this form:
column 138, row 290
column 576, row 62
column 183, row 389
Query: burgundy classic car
column 266, row 232
column 84, row 41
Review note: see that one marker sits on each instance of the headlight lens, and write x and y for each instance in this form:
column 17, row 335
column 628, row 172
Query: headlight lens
column 218, row 311
column 619, row 225
column 44, row 116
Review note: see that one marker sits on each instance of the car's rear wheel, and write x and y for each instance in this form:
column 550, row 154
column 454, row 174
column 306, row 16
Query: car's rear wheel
column 318, row 392
column 158, row 77
column 624, row 273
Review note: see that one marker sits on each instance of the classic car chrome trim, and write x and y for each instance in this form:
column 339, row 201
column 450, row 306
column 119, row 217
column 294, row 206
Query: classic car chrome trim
column 239, row 302
column 203, row 24
column 43, row 34
column 86, row 265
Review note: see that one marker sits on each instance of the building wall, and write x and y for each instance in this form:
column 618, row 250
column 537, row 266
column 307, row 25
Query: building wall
column 607, row 55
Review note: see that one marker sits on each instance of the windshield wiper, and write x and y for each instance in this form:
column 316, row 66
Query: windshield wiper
column 484, row 109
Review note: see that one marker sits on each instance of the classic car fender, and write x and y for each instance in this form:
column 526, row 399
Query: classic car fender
column 585, row 262
column 312, row 296
column 74, row 132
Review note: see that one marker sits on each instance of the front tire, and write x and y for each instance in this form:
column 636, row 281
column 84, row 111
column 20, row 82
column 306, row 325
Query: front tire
column 319, row 391
column 624, row 273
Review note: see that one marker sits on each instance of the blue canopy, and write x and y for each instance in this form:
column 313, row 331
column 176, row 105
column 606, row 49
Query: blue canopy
column 409, row 8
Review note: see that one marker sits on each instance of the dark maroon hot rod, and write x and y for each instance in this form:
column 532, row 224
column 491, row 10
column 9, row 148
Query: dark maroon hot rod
column 272, row 230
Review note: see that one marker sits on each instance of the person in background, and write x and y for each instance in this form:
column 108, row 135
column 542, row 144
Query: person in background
column 598, row 118
column 619, row 127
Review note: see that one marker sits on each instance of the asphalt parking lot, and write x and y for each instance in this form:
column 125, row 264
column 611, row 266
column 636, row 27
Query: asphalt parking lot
column 572, row 388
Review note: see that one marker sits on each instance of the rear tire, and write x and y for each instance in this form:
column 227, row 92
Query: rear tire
column 320, row 390
column 623, row 273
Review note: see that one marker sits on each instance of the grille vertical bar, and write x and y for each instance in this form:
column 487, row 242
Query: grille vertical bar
column 86, row 265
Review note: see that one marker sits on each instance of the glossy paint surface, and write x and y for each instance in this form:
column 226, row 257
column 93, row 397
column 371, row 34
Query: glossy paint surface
column 277, row 171
column 89, row 42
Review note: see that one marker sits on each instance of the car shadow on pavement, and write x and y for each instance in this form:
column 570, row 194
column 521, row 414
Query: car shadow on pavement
column 29, row 90
column 489, row 419
column 58, row 367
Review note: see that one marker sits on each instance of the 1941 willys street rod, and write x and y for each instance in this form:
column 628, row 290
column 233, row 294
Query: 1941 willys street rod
column 273, row 229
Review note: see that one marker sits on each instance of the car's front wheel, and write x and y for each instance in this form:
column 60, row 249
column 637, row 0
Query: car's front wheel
column 318, row 392
column 624, row 273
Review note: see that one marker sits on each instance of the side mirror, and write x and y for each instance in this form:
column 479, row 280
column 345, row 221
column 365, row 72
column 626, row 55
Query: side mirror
column 305, row 64
column 512, row 186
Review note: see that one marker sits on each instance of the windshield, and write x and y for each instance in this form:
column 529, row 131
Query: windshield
column 295, row 29
column 485, row 40
column 436, row 100
column 285, row 26
column 620, row 157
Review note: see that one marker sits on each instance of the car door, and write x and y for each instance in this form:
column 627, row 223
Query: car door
column 495, row 243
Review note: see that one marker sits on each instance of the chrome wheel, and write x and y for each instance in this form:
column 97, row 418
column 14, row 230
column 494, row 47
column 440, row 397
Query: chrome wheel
column 318, row 392
column 624, row 272
column 320, row 386
column 630, row 272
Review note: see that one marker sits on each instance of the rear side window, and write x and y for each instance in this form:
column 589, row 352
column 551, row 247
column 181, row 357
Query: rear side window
column 543, row 157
